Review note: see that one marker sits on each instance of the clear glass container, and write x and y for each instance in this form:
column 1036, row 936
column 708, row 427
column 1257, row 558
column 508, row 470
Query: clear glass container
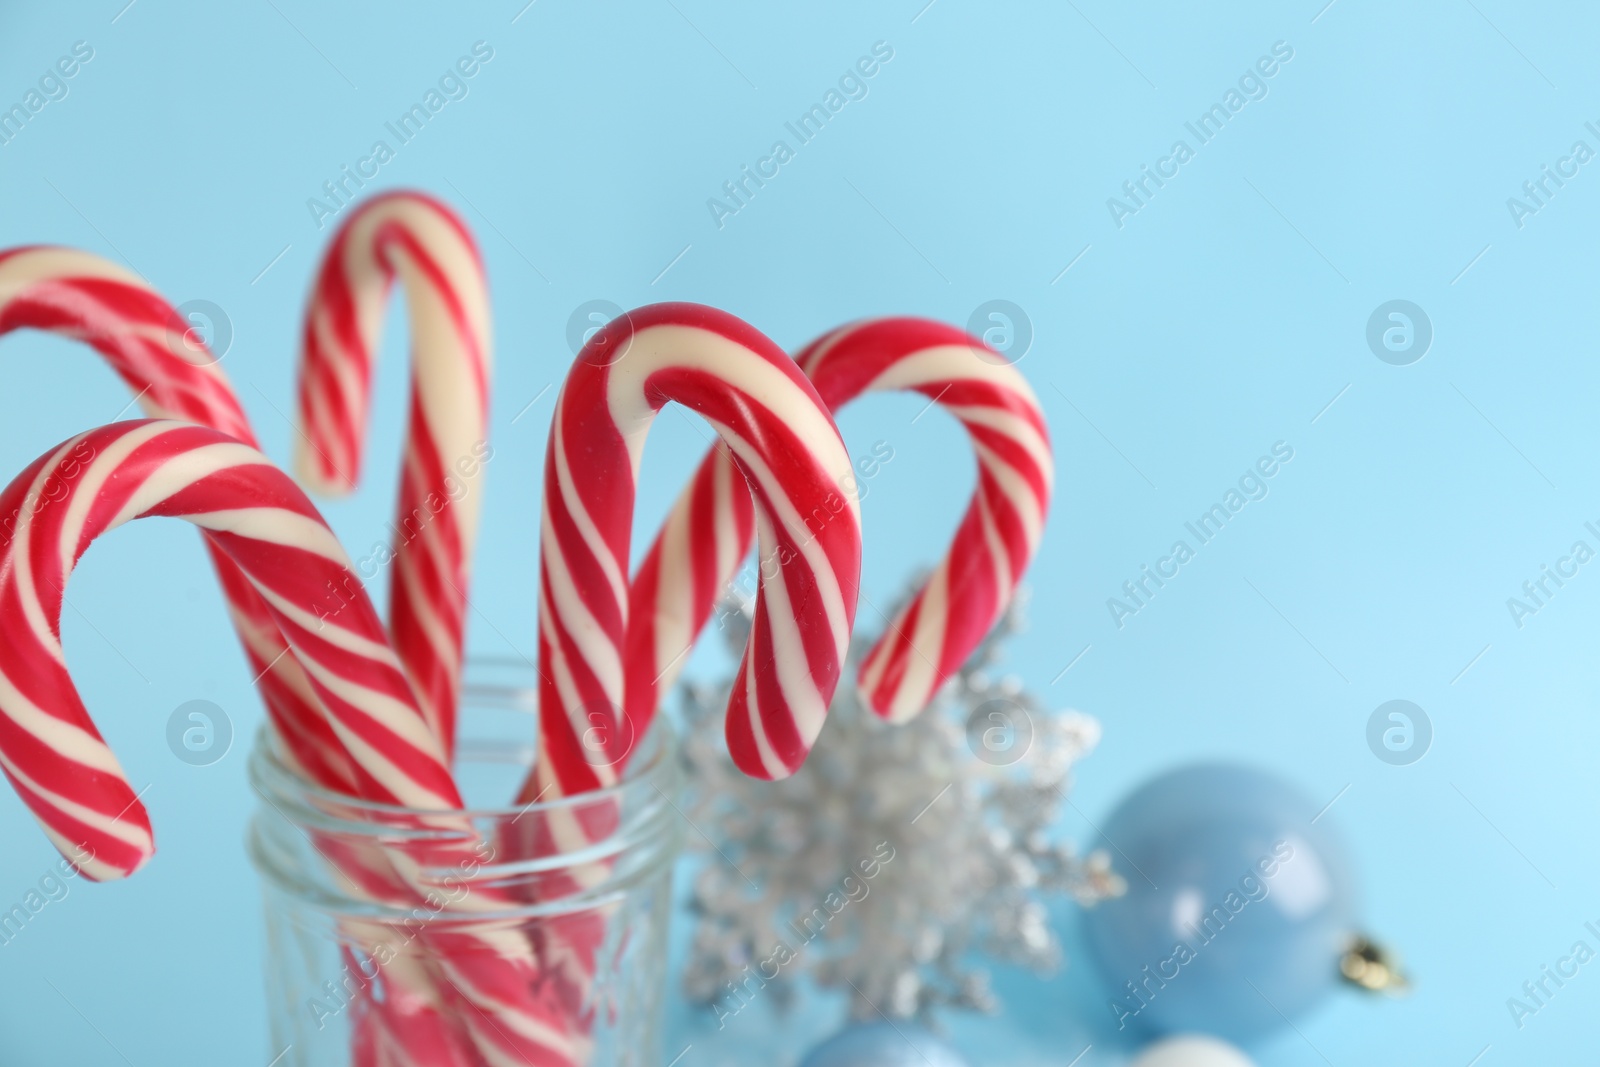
column 495, row 935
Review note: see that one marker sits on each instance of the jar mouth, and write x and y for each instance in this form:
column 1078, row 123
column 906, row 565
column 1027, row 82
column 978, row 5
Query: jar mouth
column 542, row 858
column 274, row 780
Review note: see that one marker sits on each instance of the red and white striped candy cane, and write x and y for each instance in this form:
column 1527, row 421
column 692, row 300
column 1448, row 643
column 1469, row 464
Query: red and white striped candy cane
column 173, row 374
column 49, row 746
column 59, row 764
column 789, row 459
column 704, row 541
column 418, row 240
column 781, row 439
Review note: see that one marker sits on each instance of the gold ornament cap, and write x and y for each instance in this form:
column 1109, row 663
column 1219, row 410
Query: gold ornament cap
column 1369, row 966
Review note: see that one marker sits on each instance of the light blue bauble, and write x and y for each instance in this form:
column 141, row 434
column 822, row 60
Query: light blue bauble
column 1238, row 905
column 883, row 1045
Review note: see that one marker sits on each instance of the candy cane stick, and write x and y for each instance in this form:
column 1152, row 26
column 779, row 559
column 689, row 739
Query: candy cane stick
column 173, row 375
column 704, row 541
column 423, row 243
column 420, row 241
column 784, row 444
column 59, row 764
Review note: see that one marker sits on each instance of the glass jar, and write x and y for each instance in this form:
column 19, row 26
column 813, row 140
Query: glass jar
column 453, row 939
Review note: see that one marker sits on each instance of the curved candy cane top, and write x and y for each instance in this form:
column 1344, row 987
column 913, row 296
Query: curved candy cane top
column 704, row 541
column 420, row 241
column 95, row 482
column 82, row 296
column 782, row 441
column 970, row 587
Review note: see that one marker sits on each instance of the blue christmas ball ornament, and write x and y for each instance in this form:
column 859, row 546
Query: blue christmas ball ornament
column 883, row 1045
column 1238, row 910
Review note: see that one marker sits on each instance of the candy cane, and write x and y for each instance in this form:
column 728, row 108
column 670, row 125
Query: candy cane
column 792, row 463
column 779, row 436
column 423, row 243
column 704, row 541
column 61, row 767
column 94, row 483
column 173, row 375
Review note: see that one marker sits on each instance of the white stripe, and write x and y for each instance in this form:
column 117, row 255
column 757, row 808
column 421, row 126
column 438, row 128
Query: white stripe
column 67, row 740
column 107, row 825
column 442, row 372
column 366, row 279
column 572, row 500
column 571, row 616
column 810, row 546
column 996, row 550
column 21, row 556
column 24, row 270
column 773, row 766
column 87, row 489
column 826, row 345
column 325, row 627
column 393, row 716
column 674, row 596
column 1013, row 427
column 926, row 649
column 95, row 869
column 691, row 348
column 182, row 470
column 731, row 550
column 520, row 1023
column 560, row 671
column 1017, row 492
column 792, row 666
column 871, row 671
column 951, row 363
column 277, row 526
column 324, row 444
column 440, row 648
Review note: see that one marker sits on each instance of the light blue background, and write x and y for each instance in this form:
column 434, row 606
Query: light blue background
column 1223, row 317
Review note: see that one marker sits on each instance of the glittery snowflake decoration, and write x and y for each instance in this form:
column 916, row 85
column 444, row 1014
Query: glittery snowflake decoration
column 899, row 859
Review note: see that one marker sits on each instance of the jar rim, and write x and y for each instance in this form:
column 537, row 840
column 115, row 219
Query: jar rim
column 269, row 771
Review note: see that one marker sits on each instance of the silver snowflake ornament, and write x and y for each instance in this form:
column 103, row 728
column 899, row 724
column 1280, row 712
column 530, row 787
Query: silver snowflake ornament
column 900, row 858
